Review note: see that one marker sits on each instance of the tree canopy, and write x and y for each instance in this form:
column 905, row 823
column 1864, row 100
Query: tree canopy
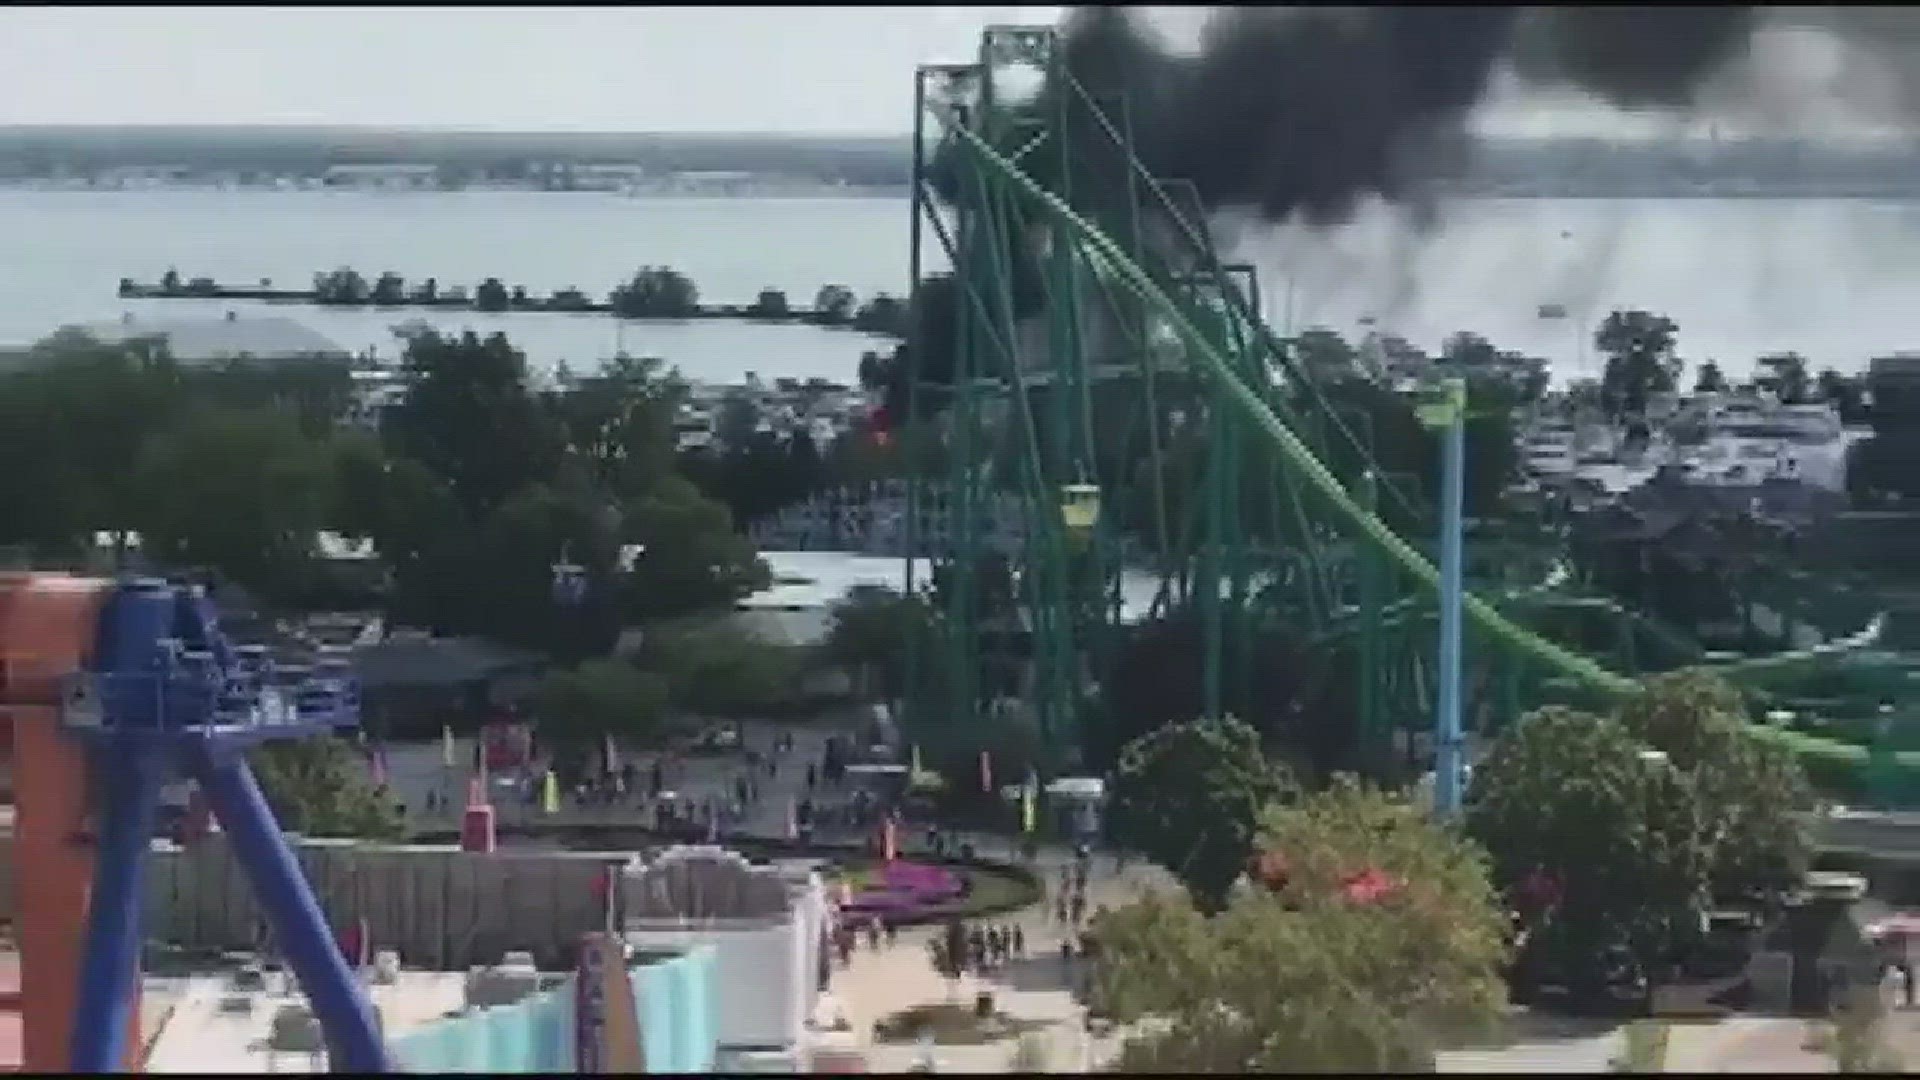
column 1188, row 796
column 1601, row 845
column 580, row 706
column 1373, row 938
column 1614, row 835
column 1640, row 359
column 321, row 787
column 477, row 486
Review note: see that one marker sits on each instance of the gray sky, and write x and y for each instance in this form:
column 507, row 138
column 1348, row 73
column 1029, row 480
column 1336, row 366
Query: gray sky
column 821, row 69
column 801, row 70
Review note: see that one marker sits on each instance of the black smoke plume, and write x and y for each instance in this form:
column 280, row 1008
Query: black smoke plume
column 1306, row 112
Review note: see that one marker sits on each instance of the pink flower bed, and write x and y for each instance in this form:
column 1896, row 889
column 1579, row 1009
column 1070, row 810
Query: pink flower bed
column 905, row 889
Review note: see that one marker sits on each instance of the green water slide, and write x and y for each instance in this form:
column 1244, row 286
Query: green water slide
column 1826, row 758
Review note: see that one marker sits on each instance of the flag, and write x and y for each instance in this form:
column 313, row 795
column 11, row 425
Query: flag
column 550, row 794
column 446, row 746
column 476, row 792
column 377, row 763
column 915, row 769
column 612, row 754
column 1027, row 808
column 986, row 771
column 793, row 822
column 889, row 841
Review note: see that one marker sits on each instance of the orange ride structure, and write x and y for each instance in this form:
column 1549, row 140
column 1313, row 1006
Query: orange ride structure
column 108, row 689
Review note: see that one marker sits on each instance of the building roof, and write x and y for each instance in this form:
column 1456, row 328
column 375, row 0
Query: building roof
column 204, row 341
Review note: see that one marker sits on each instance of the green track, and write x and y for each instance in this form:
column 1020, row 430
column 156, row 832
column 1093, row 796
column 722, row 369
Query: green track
column 1108, row 262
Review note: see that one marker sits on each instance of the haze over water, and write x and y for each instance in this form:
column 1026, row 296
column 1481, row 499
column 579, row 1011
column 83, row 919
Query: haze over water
column 1836, row 280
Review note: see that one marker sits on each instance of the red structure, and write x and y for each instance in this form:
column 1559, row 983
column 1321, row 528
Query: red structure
column 476, row 823
column 47, row 625
column 507, row 744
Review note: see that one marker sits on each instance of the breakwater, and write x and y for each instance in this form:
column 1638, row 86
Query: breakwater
column 655, row 293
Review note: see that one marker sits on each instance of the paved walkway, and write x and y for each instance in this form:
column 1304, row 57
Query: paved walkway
column 415, row 769
column 1035, row 989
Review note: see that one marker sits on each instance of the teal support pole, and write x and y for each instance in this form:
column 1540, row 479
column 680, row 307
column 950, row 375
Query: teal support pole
column 1448, row 415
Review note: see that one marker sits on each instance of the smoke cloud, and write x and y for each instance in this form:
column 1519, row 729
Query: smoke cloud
column 1307, row 113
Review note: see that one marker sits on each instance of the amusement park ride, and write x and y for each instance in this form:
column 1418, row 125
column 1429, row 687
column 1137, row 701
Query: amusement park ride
column 1103, row 369
column 1105, row 372
column 109, row 691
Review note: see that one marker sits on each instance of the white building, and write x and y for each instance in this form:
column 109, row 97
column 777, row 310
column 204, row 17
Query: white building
column 767, row 926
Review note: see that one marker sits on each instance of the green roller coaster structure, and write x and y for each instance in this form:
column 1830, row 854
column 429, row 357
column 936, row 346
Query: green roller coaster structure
column 1117, row 422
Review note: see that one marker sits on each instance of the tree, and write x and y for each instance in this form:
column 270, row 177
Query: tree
column 1376, row 939
column 1784, row 375
column 390, row 290
column 834, row 305
column 1466, row 350
column 656, row 292
column 1709, row 380
column 882, row 315
column 240, row 491
column 322, row 787
column 873, row 373
column 1188, row 796
column 1298, row 697
column 317, row 390
column 720, row 671
column 470, row 418
column 872, row 632
column 620, row 420
column 1752, row 792
column 581, row 706
column 97, row 406
column 739, row 419
column 1600, row 845
column 690, row 558
column 1325, row 354
column 770, row 304
column 1640, row 359
column 569, row 299
column 1841, row 392
column 491, row 295
column 341, row 286
column 170, row 282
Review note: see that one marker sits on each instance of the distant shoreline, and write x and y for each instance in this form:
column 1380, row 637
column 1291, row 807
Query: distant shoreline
column 802, row 191
column 1902, row 190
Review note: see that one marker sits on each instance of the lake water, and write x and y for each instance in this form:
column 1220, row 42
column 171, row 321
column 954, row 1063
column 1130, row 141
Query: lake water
column 1834, row 279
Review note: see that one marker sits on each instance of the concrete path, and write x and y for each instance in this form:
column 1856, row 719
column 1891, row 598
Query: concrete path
column 1035, row 989
column 414, row 769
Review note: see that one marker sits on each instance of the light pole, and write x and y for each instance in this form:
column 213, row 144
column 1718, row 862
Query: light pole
column 1445, row 412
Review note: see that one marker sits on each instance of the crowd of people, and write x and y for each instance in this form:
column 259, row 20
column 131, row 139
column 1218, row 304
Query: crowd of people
column 981, row 950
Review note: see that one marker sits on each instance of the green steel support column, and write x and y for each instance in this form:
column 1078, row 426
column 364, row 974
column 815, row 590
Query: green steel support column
column 910, row 528
column 962, row 627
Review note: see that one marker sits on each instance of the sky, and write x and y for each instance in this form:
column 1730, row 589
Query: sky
column 802, row 70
